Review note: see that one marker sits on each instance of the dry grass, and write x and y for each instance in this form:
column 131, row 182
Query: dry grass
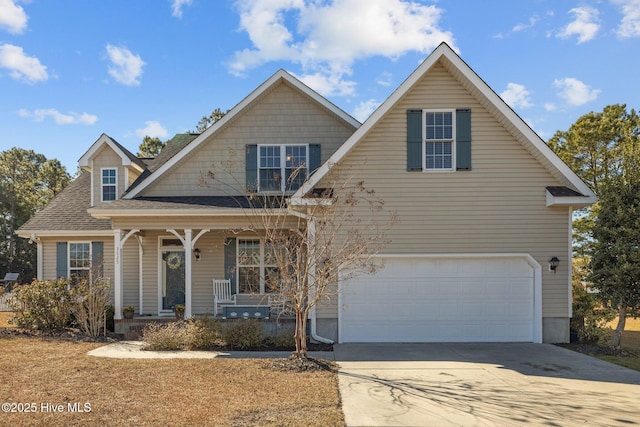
column 220, row 392
column 4, row 318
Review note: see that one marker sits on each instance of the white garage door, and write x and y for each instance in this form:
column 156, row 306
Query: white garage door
column 440, row 300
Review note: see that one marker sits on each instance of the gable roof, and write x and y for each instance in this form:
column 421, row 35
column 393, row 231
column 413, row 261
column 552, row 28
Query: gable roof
column 170, row 149
column 128, row 158
column 279, row 77
column 67, row 213
column 489, row 99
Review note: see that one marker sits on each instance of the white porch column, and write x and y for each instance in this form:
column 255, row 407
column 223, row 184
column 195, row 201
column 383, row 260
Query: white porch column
column 188, row 257
column 117, row 274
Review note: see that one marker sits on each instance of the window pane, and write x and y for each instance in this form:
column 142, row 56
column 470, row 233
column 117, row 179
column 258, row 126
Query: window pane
column 439, row 125
column 270, row 179
column 295, row 178
column 108, row 176
column 249, row 280
column 108, row 192
column 296, row 156
column 439, row 155
column 271, row 280
column 249, row 252
column 270, row 157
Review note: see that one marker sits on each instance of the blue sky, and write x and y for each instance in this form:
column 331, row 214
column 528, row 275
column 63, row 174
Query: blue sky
column 72, row 70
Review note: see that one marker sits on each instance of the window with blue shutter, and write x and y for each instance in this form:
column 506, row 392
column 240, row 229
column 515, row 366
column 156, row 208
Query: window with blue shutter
column 432, row 143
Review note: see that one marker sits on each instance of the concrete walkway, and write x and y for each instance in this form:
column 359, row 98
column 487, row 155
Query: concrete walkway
column 133, row 350
column 483, row 385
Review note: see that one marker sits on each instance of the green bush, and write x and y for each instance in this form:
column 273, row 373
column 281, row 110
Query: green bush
column 589, row 317
column 246, row 334
column 282, row 341
column 42, row 305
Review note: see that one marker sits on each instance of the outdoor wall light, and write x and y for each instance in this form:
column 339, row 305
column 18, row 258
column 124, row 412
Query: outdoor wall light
column 554, row 262
column 197, row 254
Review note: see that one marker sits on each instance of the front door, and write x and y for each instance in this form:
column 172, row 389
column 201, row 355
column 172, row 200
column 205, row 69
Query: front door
column 173, row 277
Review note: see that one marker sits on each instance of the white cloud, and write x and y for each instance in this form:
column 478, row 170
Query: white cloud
column 177, row 6
column 126, row 68
column 153, row 129
column 630, row 25
column 521, row 27
column 364, row 109
column 549, row 106
column 585, row 25
column 516, row 96
column 575, row 92
column 60, row 118
column 21, row 66
column 12, row 17
column 385, row 79
column 328, row 37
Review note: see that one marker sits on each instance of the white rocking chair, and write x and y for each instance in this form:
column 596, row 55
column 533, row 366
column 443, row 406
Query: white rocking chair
column 222, row 294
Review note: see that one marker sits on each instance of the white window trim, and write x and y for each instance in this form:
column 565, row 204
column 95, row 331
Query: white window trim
column 69, row 258
column 453, row 141
column 102, row 184
column 283, row 164
column 262, row 265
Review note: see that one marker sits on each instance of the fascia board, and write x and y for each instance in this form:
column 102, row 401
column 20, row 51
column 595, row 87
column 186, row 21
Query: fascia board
column 62, row 233
column 84, row 161
column 573, row 201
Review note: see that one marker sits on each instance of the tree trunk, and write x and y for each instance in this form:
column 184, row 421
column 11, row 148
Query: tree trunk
column 616, row 340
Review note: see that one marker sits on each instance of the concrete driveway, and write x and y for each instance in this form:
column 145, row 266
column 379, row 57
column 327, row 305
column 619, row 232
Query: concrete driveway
column 483, row 385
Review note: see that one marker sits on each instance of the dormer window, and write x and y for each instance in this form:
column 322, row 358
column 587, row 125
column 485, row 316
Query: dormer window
column 109, row 184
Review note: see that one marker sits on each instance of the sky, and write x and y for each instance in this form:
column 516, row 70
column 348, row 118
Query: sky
column 71, row 70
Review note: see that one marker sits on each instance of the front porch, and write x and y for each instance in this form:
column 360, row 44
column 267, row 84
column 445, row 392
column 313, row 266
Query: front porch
column 157, row 269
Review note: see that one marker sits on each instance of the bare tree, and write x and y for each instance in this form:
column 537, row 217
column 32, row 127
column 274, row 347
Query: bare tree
column 332, row 234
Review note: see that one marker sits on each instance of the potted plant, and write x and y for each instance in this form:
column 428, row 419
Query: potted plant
column 178, row 309
column 128, row 311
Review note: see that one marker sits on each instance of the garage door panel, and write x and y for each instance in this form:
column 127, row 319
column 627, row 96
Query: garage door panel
column 440, row 300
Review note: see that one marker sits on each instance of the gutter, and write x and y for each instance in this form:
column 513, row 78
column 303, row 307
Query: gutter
column 312, row 311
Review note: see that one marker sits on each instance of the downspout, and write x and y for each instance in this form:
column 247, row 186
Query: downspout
column 312, row 312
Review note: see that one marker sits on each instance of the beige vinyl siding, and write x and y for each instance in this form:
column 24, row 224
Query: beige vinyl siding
column 106, row 158
column 49, row 255
column 210, row 266
column 130, row 274
column 497, row 207
column 195, row 223
column 282, row 116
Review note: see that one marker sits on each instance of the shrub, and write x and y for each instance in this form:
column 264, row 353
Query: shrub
column 244, row 334
column 282, row 341
column 89, row 304
column 111, row 326
column 203, row 334
column 43, row 305
column 158, row 337
column 193, row 334
column 589, row 318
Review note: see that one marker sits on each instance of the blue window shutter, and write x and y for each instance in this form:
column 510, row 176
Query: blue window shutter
column 414, row 140
column 230, row 261
column 314, row 157
column 251, row 167
column 463, row 140
column 97, row 251
column 61, row 259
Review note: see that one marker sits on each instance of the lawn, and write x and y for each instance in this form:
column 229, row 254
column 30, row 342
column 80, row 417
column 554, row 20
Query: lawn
column 220, row 392
column 630, row 345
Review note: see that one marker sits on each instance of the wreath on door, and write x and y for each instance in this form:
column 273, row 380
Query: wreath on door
column 174, row 261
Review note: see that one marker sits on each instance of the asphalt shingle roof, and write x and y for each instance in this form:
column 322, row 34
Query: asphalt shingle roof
column 68, row 210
